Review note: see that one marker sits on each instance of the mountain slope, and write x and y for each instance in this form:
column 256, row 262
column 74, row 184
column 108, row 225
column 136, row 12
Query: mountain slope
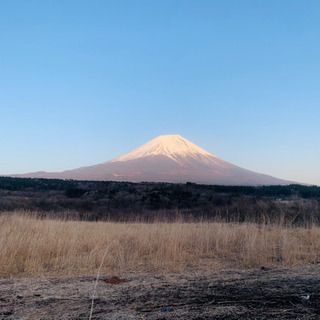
column 168, row 158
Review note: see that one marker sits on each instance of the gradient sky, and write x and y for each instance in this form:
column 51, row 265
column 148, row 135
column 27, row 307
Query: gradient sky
column 82, row 82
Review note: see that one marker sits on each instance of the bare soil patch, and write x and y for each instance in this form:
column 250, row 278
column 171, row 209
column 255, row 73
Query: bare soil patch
column 227, row 294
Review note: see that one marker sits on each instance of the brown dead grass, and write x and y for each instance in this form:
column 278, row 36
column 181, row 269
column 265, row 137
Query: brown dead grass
column 31, row 247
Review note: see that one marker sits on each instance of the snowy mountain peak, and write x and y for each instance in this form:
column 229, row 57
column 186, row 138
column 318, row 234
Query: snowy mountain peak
column 168, row 158
column 174, row 147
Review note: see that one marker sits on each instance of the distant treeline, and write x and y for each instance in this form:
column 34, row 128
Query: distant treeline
column 95, row 200
column 33, row 184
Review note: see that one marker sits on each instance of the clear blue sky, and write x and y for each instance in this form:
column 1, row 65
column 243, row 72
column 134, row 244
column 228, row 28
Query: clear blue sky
column 82, row 82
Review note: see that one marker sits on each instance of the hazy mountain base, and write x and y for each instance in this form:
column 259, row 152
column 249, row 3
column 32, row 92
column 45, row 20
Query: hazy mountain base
column 228, row 294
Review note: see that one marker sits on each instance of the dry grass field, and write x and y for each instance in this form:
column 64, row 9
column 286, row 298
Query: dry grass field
column 176, row 270
column 32, row 248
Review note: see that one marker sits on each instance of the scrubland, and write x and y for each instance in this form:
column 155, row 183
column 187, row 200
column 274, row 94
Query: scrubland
column 204, row 252
column 33, row 247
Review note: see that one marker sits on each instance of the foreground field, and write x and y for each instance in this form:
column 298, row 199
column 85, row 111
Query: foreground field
column 53, row 269
column 233, row 294
column 34, row 248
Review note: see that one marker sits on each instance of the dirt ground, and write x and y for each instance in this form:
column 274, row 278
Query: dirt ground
column 227, row 294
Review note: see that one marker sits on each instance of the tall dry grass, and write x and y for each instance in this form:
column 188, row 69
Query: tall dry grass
column 31, row 247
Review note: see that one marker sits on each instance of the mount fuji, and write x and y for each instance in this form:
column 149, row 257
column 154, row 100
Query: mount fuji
column 167, row 158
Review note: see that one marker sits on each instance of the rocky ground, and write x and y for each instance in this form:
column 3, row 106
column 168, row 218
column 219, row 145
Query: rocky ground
column 228, row 294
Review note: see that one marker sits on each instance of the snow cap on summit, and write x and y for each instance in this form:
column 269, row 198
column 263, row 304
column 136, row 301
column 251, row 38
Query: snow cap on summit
column 171, row 146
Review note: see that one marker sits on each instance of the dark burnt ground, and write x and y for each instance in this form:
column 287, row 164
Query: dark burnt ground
column 253, row 294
